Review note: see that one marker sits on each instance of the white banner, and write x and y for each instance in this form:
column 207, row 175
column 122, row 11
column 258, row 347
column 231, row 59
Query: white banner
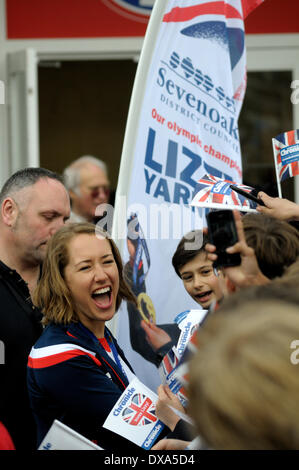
column 182, row 124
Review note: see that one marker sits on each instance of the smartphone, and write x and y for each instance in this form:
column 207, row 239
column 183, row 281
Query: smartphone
column 247, row 195
column 223, row 233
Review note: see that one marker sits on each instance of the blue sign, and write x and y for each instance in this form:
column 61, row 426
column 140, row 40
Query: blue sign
column 289, row 154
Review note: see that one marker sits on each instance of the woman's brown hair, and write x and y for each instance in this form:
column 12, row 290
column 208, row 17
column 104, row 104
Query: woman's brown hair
column 52, row 294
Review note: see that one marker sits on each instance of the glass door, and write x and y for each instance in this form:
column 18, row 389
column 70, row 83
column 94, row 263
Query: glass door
column 267, row 111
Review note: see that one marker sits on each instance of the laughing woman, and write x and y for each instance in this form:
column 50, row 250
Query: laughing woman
column 76, row 370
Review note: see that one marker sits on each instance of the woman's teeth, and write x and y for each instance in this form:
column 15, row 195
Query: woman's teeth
column 104, row 290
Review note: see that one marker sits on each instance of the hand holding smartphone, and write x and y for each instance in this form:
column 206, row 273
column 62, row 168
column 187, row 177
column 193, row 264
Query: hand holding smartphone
column 223, row 233
column 247, row 195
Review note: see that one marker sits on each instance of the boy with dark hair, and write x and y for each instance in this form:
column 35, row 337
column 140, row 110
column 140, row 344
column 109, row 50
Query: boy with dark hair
column 192, row 265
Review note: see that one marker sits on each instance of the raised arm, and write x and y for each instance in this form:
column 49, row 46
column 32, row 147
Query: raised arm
column 282, row 209
column 248, row 272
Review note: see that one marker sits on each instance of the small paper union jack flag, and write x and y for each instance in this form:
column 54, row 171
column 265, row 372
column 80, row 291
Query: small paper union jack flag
column 169, row 362
column 140, row 411
column 182, row 371
column 286, row 154
column 216, row 193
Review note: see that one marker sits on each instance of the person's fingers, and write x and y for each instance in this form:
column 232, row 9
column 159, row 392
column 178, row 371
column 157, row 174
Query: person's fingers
column 160, row 391
column 167, row 390
column 147, row 329
column 210, row 248
column 161, row 445
column 212, row 256
column 166, row 395
column 150, row 327
column 239, row 226
column 145, row 326
column 263, row 196
column 171, row 444
column 240, row 247
column 236, row 248
column 170, row 394
column 154, row 327
column 163, row 395
column 267, row 200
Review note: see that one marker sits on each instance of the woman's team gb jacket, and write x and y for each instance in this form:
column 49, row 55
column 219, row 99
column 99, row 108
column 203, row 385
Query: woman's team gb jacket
column 73, row 378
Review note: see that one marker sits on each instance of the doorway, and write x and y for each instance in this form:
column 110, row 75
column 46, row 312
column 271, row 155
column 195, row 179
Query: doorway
column 83, row 107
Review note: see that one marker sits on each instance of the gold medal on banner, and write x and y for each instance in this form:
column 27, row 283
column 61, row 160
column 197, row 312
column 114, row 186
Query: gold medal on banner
column 146, row 308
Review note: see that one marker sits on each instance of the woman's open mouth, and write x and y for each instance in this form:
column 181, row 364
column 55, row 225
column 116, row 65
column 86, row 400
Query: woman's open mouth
column 103, row 297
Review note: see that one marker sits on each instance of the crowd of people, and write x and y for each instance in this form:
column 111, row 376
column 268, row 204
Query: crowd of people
column 60, row 284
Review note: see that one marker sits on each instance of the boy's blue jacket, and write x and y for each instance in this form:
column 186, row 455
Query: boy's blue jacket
column 72, row 378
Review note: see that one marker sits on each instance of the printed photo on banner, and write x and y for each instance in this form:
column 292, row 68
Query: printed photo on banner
column 143, row 319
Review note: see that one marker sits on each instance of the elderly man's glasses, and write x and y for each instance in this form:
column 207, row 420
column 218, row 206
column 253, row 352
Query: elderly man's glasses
column 95, row 192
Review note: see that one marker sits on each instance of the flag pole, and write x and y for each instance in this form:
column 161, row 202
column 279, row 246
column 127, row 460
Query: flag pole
column 127, row 161
column 276, row 169
column 119, row 226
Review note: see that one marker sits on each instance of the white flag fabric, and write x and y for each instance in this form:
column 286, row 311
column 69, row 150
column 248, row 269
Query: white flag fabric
column 182, row 124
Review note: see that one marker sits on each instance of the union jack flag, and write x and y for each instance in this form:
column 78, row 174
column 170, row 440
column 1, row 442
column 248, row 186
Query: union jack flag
column 286, row 154
column 140, row 411
column 182, row 370
column 169, row 362
column 216, row 193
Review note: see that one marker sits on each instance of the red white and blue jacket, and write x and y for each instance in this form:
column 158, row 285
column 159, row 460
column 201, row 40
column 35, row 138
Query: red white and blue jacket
column 72, row 378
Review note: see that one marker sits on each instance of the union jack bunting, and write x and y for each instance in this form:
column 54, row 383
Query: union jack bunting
column 286, row 154
column 140, row 411
column 216, row 193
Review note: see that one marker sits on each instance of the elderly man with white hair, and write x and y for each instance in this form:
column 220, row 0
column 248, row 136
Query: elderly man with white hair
column 87, row 182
